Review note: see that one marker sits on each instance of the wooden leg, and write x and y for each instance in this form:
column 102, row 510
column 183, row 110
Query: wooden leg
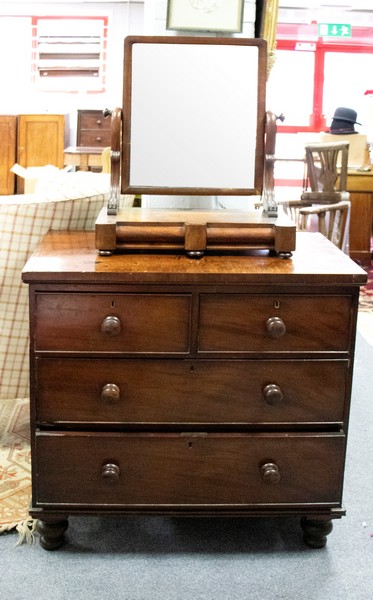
column 51, row 533
column 315, row 531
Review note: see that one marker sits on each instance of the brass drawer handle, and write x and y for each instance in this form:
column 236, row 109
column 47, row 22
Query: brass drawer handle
column 273, row 394
column 110, row 393
column 110, row 472
column 276, row 328
column 111, row 326
column 98, row 139
column 270, row 473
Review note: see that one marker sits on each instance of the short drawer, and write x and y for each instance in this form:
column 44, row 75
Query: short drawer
column 186, row 391
column 125, row 323
column 270, row 323
column 95, row 137
column 94, row 120
column 178, row 470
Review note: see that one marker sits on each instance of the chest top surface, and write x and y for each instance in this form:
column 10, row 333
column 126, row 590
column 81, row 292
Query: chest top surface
column 71, row 257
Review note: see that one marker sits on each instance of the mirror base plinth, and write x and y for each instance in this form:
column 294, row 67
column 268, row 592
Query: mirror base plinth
column 193, row 232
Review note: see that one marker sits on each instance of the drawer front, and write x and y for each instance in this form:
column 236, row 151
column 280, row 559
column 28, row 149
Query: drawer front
column 126, row 323
column 269, row 323
column 94, row 120
column 95, row 137
column 185, row 391
column 176, row 470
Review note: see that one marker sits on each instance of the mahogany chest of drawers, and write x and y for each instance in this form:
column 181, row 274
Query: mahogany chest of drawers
column 169, row 386
column 93, row 129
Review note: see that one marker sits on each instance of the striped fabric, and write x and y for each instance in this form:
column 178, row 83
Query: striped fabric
column 23, row 221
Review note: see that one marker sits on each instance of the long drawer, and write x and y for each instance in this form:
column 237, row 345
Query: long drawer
column 175, row 470
column 128, row 323
column 185, row 391
column 242, row 323
column 95, row 137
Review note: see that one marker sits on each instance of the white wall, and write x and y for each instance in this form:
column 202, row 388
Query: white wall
column 19, row 97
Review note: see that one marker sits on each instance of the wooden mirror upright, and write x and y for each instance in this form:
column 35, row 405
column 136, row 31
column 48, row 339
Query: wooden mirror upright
column 193, row 123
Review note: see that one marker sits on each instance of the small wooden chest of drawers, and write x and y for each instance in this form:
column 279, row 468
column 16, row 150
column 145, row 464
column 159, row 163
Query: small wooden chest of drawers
column 164, row 385
column 93, row 129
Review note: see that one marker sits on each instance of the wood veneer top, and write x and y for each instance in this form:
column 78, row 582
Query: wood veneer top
column 70, row 256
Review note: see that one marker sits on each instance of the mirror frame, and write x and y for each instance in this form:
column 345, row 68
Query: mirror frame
column 126, row 187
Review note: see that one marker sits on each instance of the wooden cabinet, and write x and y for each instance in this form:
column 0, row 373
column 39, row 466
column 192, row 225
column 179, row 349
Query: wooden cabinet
column 41, row 140
column 8, row 132
column 166, row 385
column 360, row 186
column 93, row 129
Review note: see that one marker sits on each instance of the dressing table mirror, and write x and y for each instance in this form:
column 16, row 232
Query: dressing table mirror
column 193, row 122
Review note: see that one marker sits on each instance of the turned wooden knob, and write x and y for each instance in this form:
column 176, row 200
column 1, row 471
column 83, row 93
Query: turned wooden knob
column 276, row 328
column 110, row 393
column 111, row 326
column 270, row 473
column 110, row 472
column 272, row 394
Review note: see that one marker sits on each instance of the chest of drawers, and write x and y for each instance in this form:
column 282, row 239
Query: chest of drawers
column 164, row 385
column 93, row 129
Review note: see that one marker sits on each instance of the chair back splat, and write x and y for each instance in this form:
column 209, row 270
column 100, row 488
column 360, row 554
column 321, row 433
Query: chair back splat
column 326, row 181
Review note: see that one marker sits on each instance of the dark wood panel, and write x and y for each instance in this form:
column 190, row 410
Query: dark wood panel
column 241, row 323
column 127, row 323
column 187, row 469
column 170, row 392
column 95, row 138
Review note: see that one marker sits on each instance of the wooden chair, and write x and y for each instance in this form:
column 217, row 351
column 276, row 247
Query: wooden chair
column 327, row 196
column 327, row 182
column 332, row 221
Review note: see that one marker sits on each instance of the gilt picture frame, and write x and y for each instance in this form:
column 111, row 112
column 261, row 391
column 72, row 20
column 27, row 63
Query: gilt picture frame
column 224, row 16
column 267, row 29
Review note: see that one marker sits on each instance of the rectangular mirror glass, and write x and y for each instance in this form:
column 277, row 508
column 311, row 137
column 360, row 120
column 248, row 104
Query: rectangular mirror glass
column 193, row 115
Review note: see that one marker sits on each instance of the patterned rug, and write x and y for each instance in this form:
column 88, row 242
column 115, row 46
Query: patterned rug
column 15, row 467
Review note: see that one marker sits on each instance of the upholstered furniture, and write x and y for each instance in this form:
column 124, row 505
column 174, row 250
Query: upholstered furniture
column 67, row 201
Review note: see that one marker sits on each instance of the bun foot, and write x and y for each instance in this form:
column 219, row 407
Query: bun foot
column 51, row 533
column 315, row 531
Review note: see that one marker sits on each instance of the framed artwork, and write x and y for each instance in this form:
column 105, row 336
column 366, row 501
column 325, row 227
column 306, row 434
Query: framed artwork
column 205, row 15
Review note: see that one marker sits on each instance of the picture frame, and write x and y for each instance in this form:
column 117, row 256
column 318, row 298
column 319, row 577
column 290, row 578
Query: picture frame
column 205, row 15
column 267, row 16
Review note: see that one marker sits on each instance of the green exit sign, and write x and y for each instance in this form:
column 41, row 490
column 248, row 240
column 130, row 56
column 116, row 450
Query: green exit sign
column 334, row 30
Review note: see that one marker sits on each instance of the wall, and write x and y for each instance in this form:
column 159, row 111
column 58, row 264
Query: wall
column 124, row 18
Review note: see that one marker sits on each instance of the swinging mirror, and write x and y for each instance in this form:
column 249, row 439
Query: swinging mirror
column 193, row 116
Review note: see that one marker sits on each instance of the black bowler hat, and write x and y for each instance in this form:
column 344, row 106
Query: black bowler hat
column 343, row 121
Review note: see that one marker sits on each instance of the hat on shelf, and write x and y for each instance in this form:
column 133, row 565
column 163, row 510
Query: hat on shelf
column 343, row 121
